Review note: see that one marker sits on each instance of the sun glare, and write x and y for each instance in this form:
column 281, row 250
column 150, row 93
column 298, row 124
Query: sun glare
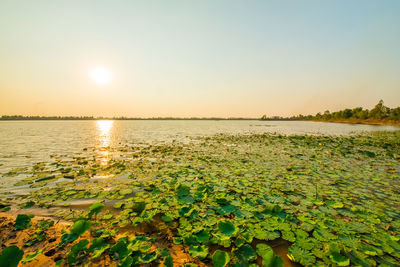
column 100, row 75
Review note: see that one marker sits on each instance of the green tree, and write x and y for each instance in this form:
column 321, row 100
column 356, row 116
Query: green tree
column 379, row 111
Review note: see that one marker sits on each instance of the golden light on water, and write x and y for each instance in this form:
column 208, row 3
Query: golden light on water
column 104, row 128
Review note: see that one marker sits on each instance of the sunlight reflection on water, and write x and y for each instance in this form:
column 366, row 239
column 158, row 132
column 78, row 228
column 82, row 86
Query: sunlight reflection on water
column 104, row 128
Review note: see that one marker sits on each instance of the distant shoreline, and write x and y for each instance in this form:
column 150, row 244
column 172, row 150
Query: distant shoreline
column 125, row 119
column 365, row 122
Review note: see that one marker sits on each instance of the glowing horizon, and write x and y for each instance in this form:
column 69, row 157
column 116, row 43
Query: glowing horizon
column 187, row 59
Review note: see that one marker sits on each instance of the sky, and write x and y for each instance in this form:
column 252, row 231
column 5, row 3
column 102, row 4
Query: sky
column 209, row 58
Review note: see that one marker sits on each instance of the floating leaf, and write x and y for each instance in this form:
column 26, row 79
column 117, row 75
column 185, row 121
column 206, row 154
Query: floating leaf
column 168, row 262
column 125, row 191
column 166, row 218
column 220, row 258
column 226, row 227
column 339, row 259
column 120, row 249
column 269, row 259
column 98, row 247
column 80, row 226
column 95, row 208
column 245, row 253
column 127, row 262
column 198, row 251
column 77, row 253
column 30, row 257
column 23, row 221
column 300, row 255
column 11, row 256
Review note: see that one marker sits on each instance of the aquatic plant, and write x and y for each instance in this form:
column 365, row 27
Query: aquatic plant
column 230, row 199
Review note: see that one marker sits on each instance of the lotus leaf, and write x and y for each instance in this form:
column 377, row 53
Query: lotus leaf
column 339, row 259
column 30, row 257
column 98, row 247
column 300, row 255
column 168, row 262
column 198, row 251
column 120, row 250
column 269, row 259
column 80, row 226
column 95, row 208
column 245, row 253
column 127, row 262
column 23, row 221
column 220, row 258
column 77, row 253
column 226, row 227
column 11, row 256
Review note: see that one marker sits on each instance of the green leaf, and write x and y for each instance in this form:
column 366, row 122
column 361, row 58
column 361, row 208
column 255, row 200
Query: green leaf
column 98, row 247
column 127, row 262
column 80, row 226
column 339, row 259
column 95, row 208
column 263, row 250
column 226, row 227
column 168, row 262
column 23, row 221
column 198, row 251
column 268, row 256
column 245, row 253
column 147, row 258
column 220, row 258
column 202, row 236
column 107, row 216
column 337, row 205
column 27, row 205
column 120, row 250
column 68, row 238
column 182, row 190
column 300, row 255
column 10, row 256
column 30, row 257
column 125, row 191
column 166, row 218
column 77, row 253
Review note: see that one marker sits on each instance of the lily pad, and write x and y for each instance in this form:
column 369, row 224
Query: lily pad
column 80, row 226
column 23, row 221
column 226, row 227
column 95, row 208
column 339, row 259
column 269, row 259
column 198, row 251
column 220, row 258
column 11, row 256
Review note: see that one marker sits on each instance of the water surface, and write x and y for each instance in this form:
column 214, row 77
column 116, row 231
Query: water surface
column 24, row 143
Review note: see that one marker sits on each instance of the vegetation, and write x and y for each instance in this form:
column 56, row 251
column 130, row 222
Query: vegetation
column 220, row 201
column 20, row 117
column 380, row 113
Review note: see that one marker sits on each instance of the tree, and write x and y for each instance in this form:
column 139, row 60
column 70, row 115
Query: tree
column 379, row 111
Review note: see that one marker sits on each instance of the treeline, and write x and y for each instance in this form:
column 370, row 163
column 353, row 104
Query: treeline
column 380, row 113
column 20, row 117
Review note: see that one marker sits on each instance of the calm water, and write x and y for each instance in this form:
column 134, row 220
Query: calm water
column 23, row 143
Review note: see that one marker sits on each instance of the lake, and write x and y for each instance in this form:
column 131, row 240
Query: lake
column 210, row 184
column 24, row 143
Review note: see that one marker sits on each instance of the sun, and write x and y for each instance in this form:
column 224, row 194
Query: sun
column 101, row 75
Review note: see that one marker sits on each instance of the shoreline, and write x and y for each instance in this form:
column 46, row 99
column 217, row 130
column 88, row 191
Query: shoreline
column 365, row 122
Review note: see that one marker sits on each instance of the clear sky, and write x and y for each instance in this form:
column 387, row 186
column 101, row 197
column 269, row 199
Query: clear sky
column 197, row 58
